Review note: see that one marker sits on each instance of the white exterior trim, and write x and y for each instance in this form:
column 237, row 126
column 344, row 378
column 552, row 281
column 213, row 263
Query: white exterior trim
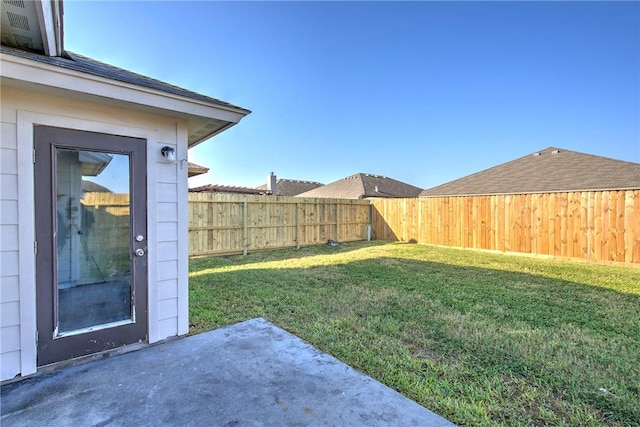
column 21, row 69
column 26, row 239
column 49, row 19
column 183, row 230
column 25, row 122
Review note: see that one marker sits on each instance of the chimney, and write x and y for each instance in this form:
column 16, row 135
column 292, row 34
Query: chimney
column 271, row 184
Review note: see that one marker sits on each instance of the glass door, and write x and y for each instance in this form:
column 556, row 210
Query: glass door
column 93, row 226
column 91, row 261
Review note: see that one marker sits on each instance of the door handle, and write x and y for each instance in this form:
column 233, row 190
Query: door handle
column 139, row 252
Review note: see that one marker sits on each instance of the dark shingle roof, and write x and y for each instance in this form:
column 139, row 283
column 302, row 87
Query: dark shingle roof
column 549, row 170
column 291, row 187
column 195, row 169
column 73, row 61
column 363, row 185
column 225, row 189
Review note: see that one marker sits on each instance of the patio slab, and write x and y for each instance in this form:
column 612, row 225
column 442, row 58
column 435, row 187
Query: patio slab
column 249, row 374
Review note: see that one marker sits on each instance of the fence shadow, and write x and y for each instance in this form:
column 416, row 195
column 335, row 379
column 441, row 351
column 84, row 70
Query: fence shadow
column 287, row 253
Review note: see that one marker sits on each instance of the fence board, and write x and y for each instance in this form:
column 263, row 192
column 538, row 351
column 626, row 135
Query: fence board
column 602, row 226
column 242, row 223
column 599, row 226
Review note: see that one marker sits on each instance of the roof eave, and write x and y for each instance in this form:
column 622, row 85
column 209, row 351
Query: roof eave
column 213, row 118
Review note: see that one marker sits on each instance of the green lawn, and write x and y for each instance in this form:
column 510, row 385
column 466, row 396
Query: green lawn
column 479, row 338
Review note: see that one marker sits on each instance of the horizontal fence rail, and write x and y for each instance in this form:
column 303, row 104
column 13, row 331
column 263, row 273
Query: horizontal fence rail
column 599, row 226
column 227, row 223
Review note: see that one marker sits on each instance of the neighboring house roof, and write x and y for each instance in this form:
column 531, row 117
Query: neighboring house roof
column 363, row 185
column 291, row 187
column 195, row 170
column 549, row 170
column 92, row 187
column 225, row 189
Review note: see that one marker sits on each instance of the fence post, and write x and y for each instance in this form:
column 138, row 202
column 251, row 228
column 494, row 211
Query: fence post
column 297, row 222
column 245, row 228
column 370, row 225
column 337, row 227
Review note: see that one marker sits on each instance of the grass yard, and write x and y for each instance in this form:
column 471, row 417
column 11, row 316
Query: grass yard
column 479, row 338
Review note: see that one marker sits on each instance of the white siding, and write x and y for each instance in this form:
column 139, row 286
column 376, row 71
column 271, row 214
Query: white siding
column 168, row 289
column 9, row 364
column 166, row 188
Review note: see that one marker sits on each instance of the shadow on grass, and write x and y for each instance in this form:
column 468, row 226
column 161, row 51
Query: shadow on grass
column 283, row 254
column 477, row 345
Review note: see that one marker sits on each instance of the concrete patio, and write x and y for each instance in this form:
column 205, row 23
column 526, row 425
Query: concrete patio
column 249, row 374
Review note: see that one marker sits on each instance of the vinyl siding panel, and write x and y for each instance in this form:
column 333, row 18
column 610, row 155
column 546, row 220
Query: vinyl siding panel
column 8, row 186
column 10, row 339
column 168, row 232
column 9, row 263
column 9, row 289
column 10, row 315
column 168, row 309
column 8, row 161
column 167, row 289
column 167, row 270
column 167, row 212
column 9, row 239
column 167, row 327
column 167, row 251
column 10, row 364
column 9, row 212
column 8, row 130
column 167, row 193
column 9, row 255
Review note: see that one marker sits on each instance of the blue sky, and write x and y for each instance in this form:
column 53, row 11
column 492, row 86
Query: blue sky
column 423, row 92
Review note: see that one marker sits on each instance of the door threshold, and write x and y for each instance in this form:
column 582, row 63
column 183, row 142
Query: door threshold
column 53, row 367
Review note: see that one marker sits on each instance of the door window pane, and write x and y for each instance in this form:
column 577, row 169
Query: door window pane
column 92, row 239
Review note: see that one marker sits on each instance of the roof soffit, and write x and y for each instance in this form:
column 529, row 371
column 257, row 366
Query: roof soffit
column 33, row 25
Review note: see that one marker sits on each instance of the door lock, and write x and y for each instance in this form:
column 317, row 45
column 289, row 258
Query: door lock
column 139, row 238
column 139, row 252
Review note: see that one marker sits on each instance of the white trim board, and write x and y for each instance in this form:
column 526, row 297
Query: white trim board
column 25, row 126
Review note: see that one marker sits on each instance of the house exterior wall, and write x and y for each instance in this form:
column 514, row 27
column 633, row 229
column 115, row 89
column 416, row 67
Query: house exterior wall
column 166, row 214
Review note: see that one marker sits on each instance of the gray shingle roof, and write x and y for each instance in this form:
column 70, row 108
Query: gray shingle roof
column 363, row 185
column 73, row 61
column 225, row 189
column 195, row 169
column 291, row 187
column 550, row 170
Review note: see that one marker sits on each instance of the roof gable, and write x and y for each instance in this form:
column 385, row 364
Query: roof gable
column 363, row 185
column 291, row 187
column 549, row 170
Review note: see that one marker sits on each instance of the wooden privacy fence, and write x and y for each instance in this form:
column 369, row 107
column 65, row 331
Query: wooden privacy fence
column 228, row 223
column 105, row 237
column 602, row 226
